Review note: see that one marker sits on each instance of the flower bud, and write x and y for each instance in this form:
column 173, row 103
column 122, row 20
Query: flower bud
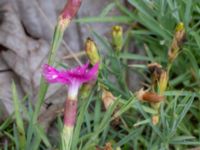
column 149, row 96
column 178, row 39
column 92, row 51
column 117, row 38
column 64, row 19
column 70, row 9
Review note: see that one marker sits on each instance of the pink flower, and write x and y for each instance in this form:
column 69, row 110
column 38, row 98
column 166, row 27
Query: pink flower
column 74, row 78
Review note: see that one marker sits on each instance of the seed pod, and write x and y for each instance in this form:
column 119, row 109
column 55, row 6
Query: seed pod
column 149, row 96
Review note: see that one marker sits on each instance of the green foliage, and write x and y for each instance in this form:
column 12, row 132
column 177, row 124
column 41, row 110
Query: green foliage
column 19, row 120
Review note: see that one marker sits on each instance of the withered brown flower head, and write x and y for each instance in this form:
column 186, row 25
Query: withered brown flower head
column 155, row 119
column 156, row 70
column 108, row 146
column 151, row 97
column 107, row 98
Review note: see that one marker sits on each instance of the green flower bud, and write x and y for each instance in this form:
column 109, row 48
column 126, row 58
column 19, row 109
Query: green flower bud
column 178, row 39
column 92, row 51
column 117, row 38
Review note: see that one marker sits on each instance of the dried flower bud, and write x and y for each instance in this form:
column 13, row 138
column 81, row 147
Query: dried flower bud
column 107, row 98
column 155, row 70
column 162, row 84
column 149, row 96
column 92, row 51
column 117, row 38
column 155, row 119
column 177, row 41
column 116, row 119
column 108, row 146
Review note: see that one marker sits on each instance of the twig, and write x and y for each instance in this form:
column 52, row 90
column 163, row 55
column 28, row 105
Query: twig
column 79, row 54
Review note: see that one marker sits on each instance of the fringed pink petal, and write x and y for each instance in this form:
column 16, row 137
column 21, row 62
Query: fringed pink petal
column 83, row 69
column 54, row 76
column 80, row 70
column 91, row 74
column 78, row 75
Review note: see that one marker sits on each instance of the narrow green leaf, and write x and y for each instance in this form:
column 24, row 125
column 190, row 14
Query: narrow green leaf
column 118, row 19
column 133, row 57
column 40, row 132
column 19, row 119
column 107, row 9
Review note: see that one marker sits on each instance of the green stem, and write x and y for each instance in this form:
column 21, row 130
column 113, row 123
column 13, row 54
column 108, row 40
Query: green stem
column 66, row 137
column 57, row 38
column 41, row 97
column 65, row 18
column 169, row 66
